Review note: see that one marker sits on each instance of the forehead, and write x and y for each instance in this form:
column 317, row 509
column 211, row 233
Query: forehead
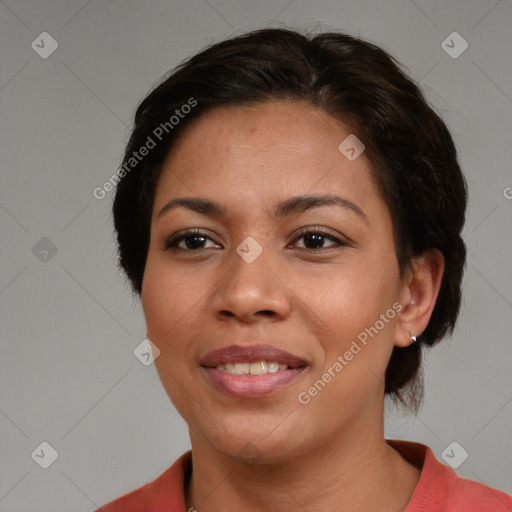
column 263, row 153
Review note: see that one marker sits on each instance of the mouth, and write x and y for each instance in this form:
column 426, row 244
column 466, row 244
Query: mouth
column 253, row 371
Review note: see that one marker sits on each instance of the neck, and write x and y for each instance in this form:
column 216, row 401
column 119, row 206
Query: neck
column 363, row 472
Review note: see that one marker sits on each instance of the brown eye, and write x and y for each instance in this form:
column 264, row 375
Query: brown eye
column 314, row 241
column 193, row 242
column 317, row 240
column 190, row 241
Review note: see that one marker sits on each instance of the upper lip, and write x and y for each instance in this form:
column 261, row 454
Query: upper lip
column 250, row 354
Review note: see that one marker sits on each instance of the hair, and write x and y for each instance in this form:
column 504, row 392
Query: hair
column 413, row 156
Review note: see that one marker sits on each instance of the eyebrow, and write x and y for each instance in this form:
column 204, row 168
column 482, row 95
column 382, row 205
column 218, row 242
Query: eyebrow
column 293, row 205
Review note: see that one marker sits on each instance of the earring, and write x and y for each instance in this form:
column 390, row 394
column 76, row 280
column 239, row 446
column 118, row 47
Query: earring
column 413, row 338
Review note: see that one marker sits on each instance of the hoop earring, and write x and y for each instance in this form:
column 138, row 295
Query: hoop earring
column 413, row 338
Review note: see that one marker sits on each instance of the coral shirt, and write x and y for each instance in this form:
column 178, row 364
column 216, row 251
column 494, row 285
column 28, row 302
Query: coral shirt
column 439, row 488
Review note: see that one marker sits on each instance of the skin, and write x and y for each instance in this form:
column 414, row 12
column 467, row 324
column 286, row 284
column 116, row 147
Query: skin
column 331, row 453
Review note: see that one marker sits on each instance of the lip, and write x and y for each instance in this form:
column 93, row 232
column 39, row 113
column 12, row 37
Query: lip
column 251, row 386
column 250, row 354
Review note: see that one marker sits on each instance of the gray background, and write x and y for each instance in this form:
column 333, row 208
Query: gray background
column 68, row 375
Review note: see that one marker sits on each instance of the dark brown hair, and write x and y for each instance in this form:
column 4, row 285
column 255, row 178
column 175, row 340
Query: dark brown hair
column 411, row 150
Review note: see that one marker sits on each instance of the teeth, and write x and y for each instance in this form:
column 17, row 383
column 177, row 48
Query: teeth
column 272, row 367
column 242, row 368
column 256, row 368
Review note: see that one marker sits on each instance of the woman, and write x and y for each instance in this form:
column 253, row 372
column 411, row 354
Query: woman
column 289, row 210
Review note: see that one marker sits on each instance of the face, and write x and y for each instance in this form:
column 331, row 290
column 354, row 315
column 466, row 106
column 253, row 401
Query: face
column 271, row 287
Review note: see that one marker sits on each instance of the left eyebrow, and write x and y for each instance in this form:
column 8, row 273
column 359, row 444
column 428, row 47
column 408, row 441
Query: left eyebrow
column 300, row 204
column 291, row 206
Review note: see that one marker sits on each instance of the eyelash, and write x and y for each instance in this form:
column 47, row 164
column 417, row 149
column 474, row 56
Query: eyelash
column 173, row 241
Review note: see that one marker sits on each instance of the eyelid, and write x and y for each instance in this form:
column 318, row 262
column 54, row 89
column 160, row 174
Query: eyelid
column 324, row 231
column 172, row 241
column 337, row 237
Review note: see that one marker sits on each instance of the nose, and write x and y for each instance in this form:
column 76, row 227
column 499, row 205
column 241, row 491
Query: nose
column 251, row 292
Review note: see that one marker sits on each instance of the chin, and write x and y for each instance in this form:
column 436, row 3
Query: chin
column 263, row 439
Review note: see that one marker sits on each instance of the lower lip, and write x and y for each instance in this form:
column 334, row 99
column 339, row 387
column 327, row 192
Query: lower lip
column 252, row 386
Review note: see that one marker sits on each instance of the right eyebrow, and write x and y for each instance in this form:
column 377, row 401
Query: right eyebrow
column 204, row 206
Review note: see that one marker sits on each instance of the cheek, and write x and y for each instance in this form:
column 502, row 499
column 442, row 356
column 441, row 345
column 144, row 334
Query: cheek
column 350, row 297
column 170, row 301
column 167, row 296
column 344, row 308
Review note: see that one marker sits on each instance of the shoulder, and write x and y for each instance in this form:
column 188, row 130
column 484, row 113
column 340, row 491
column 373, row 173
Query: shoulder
column 164, row 493
column 465, row 495
column 442, row 490
column 135, row 501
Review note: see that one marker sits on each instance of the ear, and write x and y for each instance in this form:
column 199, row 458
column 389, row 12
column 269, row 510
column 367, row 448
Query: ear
column 421, row 285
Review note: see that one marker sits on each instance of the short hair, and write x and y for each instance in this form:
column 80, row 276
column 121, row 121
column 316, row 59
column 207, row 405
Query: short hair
column 412, row 154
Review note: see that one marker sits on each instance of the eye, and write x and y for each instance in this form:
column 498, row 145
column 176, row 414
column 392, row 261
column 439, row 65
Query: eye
column 316, row 239
column 190, row 240
column 309, row 239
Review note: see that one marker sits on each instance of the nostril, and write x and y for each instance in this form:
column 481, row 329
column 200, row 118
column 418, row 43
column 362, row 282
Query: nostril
column 267, row 312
